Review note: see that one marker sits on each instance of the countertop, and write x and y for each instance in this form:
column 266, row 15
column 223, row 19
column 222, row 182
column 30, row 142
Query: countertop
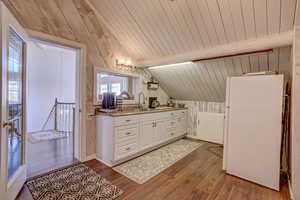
column 138, row 112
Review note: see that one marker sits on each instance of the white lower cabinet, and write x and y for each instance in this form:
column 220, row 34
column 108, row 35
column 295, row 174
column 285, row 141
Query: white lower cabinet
column 147, row 134
column 161, row 130
column 122, row 138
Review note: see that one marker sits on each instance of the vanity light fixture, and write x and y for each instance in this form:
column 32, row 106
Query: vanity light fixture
column 126, row 64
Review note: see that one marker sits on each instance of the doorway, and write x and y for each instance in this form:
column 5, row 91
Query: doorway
column 51, row 97
column 13, row 97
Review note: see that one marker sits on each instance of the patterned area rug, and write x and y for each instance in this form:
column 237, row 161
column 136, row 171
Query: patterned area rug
column 73, row 183
column 149, row 165
column 45, row 135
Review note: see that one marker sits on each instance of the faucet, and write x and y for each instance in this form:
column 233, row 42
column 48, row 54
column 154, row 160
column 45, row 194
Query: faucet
column 143, row 95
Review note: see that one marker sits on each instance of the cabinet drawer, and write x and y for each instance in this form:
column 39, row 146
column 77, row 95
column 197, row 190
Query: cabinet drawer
column 126, row 140
column 172, row 134
column 125, row 150
column 127, row 131
column 126, row 120
column 171, row 124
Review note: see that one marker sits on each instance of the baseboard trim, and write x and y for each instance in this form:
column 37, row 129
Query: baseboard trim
column 195, row 138
column 97, row 158
column 290, row 188
column 91, row 157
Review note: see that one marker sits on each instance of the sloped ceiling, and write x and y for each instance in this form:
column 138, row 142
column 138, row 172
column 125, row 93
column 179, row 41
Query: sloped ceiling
column 206, row 81
column 151, row 29
column 73, row 20
column 146, row 29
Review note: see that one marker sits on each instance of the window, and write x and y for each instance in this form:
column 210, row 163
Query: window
column 116, row 88
column 103, row 88
column 14, row 91
column 15, row 55
column 112, row 83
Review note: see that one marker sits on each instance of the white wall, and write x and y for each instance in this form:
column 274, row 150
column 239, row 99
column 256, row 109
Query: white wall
column 295, row 117
column 50, row 75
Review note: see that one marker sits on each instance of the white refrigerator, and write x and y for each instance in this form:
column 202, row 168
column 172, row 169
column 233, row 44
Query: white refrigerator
column 252, row 132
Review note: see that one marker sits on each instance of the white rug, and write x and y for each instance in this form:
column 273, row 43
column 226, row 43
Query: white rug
column 45, row 135
column 145, row 167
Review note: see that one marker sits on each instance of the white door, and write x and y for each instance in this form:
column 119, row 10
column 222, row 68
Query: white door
column 210, row 127
column 253, row 136
column 12, row 148
column 146, row 136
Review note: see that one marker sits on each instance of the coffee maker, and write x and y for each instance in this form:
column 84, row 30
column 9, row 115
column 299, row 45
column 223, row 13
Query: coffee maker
column 153, row 103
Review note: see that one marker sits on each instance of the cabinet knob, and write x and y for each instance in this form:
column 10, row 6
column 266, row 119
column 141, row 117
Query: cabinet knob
column 172, row 133
column 128, row 148
column 128, row 120
column 128, row 133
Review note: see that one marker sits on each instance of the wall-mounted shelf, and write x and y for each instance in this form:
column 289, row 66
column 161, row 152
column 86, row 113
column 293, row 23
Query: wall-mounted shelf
column 152, row 85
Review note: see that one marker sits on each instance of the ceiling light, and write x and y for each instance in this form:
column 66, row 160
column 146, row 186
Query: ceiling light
column 170, row 65
column 121, row 61
column 128, row 62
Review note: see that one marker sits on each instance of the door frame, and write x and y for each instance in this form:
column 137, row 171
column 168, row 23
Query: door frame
column 10, row 188
column 81, row 52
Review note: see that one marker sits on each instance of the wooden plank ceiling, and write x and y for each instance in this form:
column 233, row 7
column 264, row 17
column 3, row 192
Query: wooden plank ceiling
column 72, row 20
column 155, row 28
column 151, row 29
column 206, row 81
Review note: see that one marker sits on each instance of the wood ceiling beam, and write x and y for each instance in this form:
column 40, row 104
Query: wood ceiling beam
column 234, row 55
column 268, row 42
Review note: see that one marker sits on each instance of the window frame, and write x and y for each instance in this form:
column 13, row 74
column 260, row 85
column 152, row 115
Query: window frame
column 130, row 86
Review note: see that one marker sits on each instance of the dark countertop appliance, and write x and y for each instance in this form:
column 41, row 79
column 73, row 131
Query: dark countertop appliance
column 153, row 102
column 109, row 100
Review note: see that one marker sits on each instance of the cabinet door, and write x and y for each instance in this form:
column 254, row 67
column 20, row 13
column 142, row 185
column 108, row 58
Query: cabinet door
column 181, row 125
column 161, row 131
column 147, row 132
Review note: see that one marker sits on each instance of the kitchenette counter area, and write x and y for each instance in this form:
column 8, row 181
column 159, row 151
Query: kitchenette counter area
column 138, row 111
column 127, row 134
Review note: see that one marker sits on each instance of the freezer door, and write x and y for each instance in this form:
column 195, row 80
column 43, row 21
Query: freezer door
column 253, row 128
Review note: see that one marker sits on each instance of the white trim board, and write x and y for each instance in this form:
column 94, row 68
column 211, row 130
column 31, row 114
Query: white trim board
column 290, row 189
column 91, row 157
column 103, row 162
column 267, row 42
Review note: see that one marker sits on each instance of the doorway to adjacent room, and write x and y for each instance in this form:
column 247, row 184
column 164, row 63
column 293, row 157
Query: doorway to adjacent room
column 51, row 86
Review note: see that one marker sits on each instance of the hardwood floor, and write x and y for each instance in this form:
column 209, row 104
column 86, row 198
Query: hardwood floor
column 198, row 176
column 48, row 155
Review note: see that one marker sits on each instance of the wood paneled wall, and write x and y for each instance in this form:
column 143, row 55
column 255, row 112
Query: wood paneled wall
column 73, row 20
column 156, row 28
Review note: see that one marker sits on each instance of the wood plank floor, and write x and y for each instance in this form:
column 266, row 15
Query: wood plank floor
column 49, row 155
column 198, row 176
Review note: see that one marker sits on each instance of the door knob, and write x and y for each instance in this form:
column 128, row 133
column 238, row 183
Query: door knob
column 8, row 123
